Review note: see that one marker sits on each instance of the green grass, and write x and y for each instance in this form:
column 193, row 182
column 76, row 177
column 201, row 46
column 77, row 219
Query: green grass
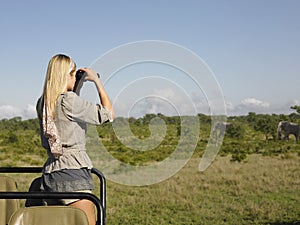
column 261, row 190
column 252, row 181
column 226, row 193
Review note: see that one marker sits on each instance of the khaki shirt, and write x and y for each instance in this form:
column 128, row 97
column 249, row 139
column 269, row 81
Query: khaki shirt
column 72, row 116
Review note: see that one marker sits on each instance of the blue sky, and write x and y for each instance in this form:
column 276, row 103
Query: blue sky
column 251, row 46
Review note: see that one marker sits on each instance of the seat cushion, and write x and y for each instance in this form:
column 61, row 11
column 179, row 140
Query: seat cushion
column 50, row 215
column 7, row 206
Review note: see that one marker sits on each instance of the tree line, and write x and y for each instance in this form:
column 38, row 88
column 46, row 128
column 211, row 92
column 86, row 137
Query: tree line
column 264, row 123
column 20, row 140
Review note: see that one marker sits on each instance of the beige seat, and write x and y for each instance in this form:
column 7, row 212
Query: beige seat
column 49, row 215
column 7, row 206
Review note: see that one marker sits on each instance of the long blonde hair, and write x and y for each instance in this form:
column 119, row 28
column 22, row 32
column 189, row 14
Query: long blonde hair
column 56, row 80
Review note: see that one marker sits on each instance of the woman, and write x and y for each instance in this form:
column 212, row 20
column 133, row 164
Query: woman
column 63, row 117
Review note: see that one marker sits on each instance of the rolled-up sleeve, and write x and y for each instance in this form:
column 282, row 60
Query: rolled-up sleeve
column 77, row 109
column 104, row 114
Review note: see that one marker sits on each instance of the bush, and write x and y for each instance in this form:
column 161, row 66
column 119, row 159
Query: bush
column 12, row 138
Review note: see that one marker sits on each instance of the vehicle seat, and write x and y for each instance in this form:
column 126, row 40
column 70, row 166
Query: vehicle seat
column 7, row 206
column 50, row 215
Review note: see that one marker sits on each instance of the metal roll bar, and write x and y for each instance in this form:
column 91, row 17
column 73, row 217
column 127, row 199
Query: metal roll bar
column 99, row 203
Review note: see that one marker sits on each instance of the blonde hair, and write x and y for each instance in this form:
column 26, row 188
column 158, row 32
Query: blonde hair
column 56, row 80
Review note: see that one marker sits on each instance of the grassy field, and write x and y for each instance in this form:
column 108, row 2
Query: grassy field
column 261, row 190
column 252, row 181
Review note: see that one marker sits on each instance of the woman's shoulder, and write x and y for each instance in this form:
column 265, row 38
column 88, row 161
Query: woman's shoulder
column 69, row 94
column 69, row 97
column 71, row 101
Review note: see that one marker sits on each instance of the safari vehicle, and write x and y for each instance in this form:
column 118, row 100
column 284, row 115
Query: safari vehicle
column 34, row 213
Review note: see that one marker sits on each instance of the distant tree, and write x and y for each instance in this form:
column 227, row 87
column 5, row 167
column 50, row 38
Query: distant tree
column 235, row 131
column 12, row 138
column 283, row 117
column 30, row 124
column 267, row 125
column 131, row 120
column 148, row 117
column 138, row 122
column 297, row 108
column 294, row 117
column 160, row 115
column 11, row 124
column 173, row 120
column 204, row 118
column 251, row 118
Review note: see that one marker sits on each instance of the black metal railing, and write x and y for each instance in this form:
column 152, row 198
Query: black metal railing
column 99, row 203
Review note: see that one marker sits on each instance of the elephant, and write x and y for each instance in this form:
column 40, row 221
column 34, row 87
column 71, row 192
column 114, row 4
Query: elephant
column 288, row 128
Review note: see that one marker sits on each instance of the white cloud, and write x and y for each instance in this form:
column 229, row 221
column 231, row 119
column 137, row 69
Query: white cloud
column 29, row 112
column 9, row 111
column 164, row 101
column 254, row 103
column 248, row 105
column 294, row 102
column 286, row 108
column 258, row 106
column 229, row 106
column 168, row 101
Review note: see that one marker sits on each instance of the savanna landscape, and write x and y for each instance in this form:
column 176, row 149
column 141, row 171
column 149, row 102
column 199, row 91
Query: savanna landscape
column 255, row 178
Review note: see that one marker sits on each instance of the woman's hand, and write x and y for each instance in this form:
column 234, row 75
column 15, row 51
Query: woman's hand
column 90, row 74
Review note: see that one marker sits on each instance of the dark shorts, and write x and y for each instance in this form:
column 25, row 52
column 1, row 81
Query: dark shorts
column 67, row 180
